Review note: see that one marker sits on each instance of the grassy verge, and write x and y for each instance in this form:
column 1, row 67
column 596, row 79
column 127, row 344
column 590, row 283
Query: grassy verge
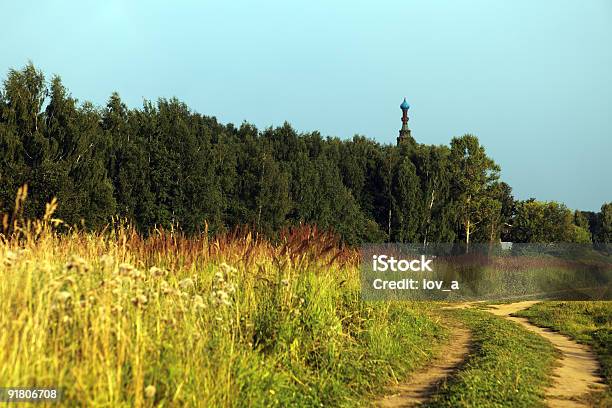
column 508, row 367
column 118, row 320
column 586, row 322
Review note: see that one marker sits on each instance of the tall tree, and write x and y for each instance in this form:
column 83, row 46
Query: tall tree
column 497, row 212
column 25, row 92
column 537, row 221
column 437, row 218
column 473, row 175
column 407, row 203
column 605, row 216
column 77, row 156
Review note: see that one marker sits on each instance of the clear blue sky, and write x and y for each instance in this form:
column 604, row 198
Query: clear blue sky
column 532, row 79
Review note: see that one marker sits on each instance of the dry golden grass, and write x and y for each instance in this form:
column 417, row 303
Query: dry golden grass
column 116, row 319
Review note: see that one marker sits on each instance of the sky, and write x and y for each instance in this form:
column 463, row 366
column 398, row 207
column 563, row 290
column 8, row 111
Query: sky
column 531, row 79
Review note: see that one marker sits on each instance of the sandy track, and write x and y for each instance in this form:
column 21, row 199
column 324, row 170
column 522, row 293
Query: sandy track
column 578, row 372
column 421, row 384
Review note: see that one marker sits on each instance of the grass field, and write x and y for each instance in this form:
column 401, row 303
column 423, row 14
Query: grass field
column 119, row 320
column 116, row 319
column 586, row 322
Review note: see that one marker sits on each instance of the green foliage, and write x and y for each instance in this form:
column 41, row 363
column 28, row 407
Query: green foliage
column 605, row 224
column 165, row 166
column 407, row 202
column 580, row 235
column 437, row 221
column 473, row 176
column 58, row 151
column 537, row 221
column 580, row 220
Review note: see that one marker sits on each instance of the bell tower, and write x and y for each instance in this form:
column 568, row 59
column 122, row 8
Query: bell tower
column 404, row 132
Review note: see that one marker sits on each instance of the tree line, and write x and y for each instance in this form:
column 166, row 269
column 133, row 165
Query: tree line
column 165, row 165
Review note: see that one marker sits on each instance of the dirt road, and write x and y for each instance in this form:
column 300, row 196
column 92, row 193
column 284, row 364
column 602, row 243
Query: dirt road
column 418, row 388
column 578, row 372
column 576, row 375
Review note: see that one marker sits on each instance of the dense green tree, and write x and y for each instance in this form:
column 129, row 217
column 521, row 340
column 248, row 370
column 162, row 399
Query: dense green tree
column 407, row 203
column 503, row 193
column 125, row 164
column 163, row 165
column 53, row 150
column 581, row 220
column 272, row 201
column 497, row 211
column 437, row 218
column 537, row 221
column 582, row 232
column 605, row 222
column 384, row 199
column 26, row 159
column 77, row 156
column 360, row 160
column 580, row 235
column 25, row 92
column 473, row 174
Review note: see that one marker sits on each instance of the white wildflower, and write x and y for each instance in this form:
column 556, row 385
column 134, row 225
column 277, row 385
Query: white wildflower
column 63, row 296
column 186, row 284
column 77, row 264
column 198, row 302
column 10, row 258
column 227, row 269
column 150, row 391
column 137, row 274
column 156, row 272
column 165, row 287
column 140, row 300
column 125, row 268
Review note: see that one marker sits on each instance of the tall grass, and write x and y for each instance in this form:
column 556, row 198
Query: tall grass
column 116, row 319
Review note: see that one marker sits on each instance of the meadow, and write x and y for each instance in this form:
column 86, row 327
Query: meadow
column 117, row 319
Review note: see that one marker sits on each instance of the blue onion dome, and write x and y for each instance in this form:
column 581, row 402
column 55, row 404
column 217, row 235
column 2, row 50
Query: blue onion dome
column 404, row 105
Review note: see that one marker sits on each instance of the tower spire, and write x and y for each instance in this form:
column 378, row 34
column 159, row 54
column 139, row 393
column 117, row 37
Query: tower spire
column 404, row 132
